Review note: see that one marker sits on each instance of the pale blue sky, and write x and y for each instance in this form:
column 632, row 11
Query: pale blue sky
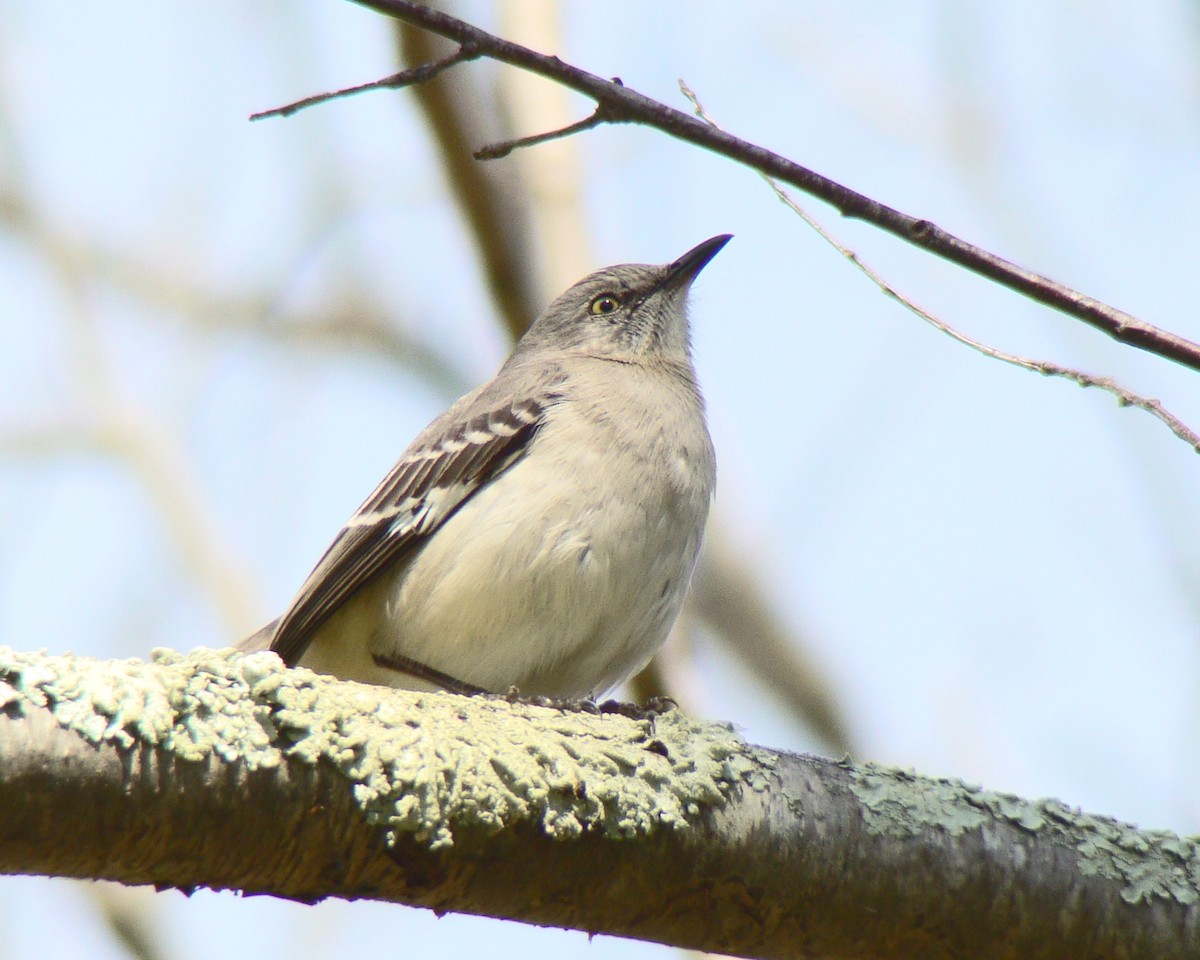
column 998, row 571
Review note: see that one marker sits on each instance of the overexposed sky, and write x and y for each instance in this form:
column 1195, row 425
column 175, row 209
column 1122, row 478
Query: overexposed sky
column 997, row 570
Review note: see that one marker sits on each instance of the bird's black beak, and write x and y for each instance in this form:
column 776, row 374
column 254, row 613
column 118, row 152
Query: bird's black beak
column 683, row 271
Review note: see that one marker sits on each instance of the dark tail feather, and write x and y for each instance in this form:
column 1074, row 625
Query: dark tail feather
column 261, row 640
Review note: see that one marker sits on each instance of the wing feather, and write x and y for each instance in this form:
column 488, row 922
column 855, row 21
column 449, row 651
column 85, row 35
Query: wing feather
column 432, row 480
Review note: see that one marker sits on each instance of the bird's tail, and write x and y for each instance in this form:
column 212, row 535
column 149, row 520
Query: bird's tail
column 260, row 640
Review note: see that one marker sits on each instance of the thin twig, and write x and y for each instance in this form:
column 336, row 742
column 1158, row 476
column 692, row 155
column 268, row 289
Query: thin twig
column 397, row 81
column 494, row 151
column 626, row 105
column 1125, row 397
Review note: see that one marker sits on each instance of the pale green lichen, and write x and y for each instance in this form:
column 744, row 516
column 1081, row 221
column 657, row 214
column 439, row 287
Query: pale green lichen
column 422, row 764
column 1151, row 864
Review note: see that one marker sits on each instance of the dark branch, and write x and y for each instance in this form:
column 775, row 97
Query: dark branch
column 621, row 104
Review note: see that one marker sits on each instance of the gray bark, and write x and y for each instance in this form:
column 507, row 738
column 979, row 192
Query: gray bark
column 223, row 771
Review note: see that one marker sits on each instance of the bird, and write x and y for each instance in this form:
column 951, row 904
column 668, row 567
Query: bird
column 540, row 534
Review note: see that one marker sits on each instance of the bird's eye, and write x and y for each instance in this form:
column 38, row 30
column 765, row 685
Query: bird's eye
column 605, row 303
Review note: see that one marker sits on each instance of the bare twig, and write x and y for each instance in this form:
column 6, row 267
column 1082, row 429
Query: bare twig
column 494, row 151
column 621, row 104
column 1125, row 397
column 397, row 81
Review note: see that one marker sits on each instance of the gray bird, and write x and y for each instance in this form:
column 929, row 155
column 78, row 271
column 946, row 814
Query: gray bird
column 541, row 533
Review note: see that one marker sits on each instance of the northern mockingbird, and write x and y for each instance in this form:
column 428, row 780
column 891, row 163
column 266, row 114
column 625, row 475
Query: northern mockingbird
column 541, row 532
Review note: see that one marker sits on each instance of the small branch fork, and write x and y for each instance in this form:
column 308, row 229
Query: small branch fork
column 617, row 103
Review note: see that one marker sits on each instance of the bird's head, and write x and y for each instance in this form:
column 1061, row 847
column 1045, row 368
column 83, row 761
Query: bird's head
column 632, row 311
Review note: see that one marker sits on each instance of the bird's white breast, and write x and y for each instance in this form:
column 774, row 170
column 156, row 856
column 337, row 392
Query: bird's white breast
column 563, row 575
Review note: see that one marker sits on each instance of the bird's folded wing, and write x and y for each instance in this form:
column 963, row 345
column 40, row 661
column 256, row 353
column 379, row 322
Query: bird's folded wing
column 434, row 478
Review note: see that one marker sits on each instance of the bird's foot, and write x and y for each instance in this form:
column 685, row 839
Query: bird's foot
column 565, row 704
column 654, row 707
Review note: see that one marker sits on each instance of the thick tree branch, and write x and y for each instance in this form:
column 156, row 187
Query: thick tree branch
column 225, row 771
column 617, row 103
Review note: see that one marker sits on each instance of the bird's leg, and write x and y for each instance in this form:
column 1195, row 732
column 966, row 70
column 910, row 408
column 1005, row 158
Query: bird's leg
column 414, row 668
